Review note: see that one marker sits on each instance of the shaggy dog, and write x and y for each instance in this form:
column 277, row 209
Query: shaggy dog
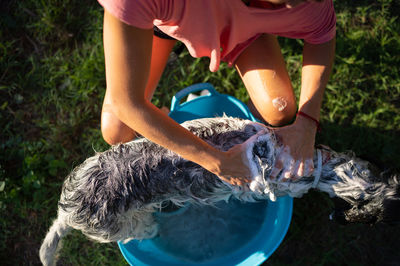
column 112, row 196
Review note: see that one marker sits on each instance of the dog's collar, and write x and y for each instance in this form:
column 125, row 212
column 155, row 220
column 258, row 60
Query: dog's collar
column 318, row 171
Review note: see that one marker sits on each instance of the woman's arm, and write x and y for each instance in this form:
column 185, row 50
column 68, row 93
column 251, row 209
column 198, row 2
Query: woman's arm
column 317, row 66
column 127, row 52
column 300, row 136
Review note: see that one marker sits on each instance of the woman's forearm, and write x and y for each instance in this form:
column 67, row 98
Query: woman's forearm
column 127, row 51
column 156, row 126
column 317, row 66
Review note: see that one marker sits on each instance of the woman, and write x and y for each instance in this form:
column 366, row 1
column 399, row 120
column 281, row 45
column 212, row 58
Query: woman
column 243, row 35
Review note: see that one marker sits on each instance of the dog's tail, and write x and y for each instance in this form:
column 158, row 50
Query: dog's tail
column 51, row 242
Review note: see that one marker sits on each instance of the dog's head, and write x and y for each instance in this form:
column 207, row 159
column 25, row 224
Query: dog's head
column 381, row 205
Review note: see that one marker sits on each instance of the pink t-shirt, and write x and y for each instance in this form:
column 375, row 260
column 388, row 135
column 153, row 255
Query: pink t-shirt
column 222, row 29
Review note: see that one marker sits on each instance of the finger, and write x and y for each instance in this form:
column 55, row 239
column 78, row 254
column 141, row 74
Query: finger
column 243, row 183
column 288, row 172
column 226, row 180
column 277, row 169
column 233, row 182
column 278, row 138
column 308, row 167
column 281, row 161
column 245, row 180
column 286, row 175
column 240, row 181
column 299, row 172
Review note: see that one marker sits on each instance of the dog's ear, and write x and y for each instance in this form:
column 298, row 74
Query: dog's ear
column 384, row 208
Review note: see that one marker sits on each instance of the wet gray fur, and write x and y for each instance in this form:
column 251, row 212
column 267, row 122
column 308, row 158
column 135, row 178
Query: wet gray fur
column 112, row 195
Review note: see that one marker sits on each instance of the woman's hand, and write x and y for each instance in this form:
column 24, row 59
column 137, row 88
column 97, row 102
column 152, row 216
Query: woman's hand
column 232, row 166
column 296, row 156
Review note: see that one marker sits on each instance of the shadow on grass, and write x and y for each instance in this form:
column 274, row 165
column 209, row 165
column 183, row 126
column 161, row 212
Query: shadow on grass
column 313, row 239
column 381, row 147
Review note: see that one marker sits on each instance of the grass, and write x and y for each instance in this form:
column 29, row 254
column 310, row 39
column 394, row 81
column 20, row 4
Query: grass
column 51, row 89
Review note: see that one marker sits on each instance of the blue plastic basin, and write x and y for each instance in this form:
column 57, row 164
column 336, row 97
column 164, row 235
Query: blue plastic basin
column 233, row 233
column 212, row 105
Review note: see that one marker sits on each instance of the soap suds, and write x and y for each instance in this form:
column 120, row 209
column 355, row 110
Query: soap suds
column 279, row 103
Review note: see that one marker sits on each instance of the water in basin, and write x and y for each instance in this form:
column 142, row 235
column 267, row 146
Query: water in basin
column 201, row 233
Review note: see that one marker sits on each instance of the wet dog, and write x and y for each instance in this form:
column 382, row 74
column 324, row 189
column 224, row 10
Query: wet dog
column 112, row 196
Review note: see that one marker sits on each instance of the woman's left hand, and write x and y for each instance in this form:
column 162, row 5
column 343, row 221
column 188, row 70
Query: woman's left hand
column 295, row 159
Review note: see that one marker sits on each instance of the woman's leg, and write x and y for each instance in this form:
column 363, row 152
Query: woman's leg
column 115, row 131
column 263, row 71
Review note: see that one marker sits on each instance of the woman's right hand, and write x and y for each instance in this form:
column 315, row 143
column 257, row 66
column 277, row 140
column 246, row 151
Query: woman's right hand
column 232, row 166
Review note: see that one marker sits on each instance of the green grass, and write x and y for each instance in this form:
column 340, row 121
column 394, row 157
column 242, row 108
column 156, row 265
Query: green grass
column 51, row 89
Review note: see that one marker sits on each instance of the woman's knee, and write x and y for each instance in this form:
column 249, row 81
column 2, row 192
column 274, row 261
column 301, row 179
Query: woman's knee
column 281, row 118
column 278, row 111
